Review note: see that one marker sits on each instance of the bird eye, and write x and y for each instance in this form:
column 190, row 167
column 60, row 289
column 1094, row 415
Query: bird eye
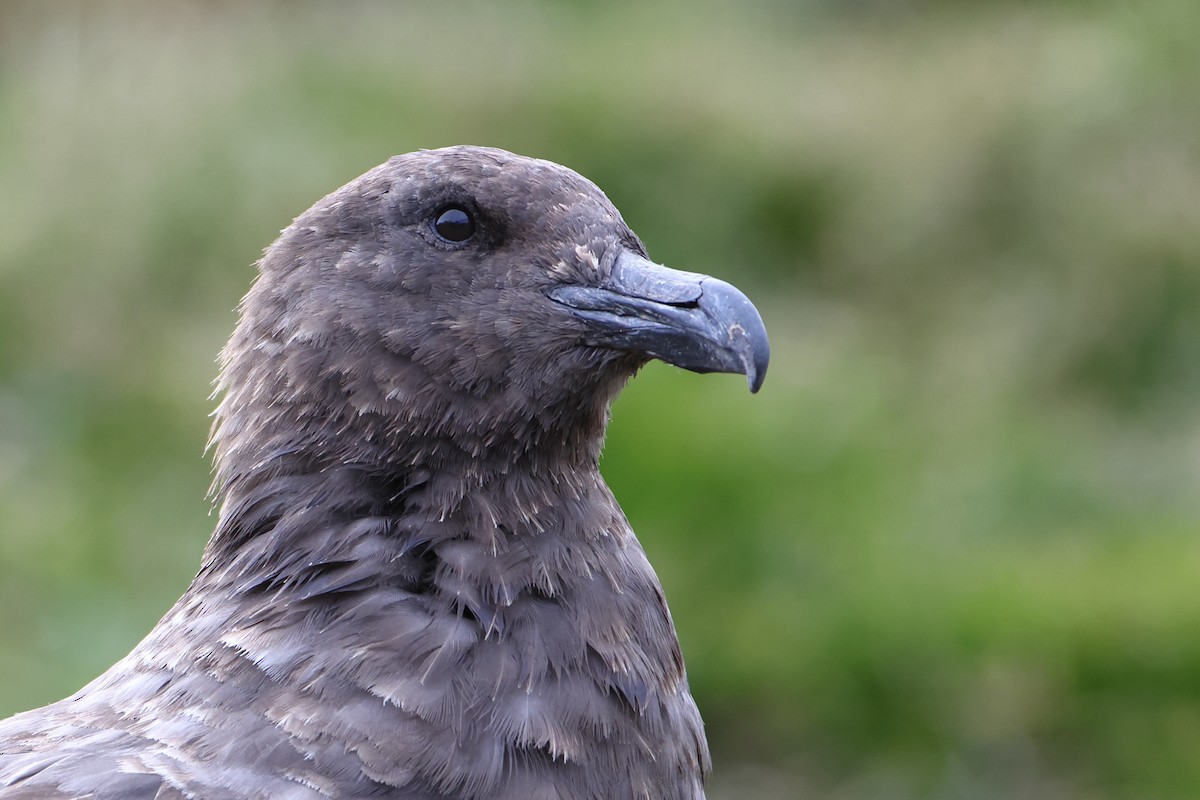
column 454, row 224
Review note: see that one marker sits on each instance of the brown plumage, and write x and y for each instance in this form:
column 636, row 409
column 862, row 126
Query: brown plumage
column 419, row 585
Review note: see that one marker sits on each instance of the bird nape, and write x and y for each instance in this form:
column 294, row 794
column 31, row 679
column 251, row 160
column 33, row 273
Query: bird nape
column 419, row 586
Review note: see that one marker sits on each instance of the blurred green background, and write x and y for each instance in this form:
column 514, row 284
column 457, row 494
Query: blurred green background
column 952, row 550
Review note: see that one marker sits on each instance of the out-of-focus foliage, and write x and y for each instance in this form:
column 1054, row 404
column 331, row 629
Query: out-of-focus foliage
column 953, row 548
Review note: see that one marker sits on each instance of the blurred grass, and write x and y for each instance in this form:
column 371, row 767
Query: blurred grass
column 953, row 548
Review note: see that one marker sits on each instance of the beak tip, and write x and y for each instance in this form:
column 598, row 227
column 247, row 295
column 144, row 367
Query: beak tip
column 756, row 368
column 745, row 334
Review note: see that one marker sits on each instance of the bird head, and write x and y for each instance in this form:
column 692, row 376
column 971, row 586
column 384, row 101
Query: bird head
column 466, row 300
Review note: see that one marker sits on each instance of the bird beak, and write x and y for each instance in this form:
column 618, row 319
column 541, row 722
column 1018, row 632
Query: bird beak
column 692, row 321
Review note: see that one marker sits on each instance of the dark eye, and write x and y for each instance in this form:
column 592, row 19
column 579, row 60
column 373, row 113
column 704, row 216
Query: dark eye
column 454, row 224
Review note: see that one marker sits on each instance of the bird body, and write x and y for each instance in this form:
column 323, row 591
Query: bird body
column 419, row 585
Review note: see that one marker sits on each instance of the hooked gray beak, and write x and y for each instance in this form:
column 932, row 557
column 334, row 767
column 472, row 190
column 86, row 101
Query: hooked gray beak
column 692, row 321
